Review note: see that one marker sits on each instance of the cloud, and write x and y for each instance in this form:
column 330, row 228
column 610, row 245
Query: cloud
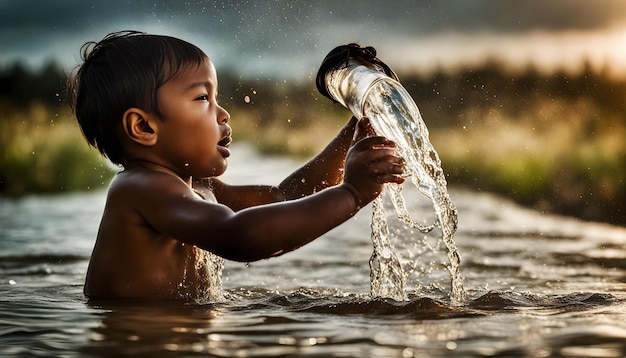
column 278, row 36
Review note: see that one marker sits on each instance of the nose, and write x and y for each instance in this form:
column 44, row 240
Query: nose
column 223, row 116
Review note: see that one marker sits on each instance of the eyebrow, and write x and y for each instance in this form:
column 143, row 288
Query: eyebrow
column 205, row 84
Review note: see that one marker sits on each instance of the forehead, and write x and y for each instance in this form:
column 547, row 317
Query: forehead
column 192, row 75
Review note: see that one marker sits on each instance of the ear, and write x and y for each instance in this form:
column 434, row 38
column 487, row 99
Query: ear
column 140, row 126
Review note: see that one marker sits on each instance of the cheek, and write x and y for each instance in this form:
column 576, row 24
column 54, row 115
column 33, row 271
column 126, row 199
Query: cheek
column 198, row 131
column 207, row 131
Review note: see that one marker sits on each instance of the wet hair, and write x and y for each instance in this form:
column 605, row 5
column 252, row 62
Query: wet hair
column 340, row 56
column 124, row 70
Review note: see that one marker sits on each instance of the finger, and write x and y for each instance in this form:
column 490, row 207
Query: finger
column 385, row 167
column 388, row 156
column 366, row 125
column 374, row 142
column 364, row 129
column 390, row 178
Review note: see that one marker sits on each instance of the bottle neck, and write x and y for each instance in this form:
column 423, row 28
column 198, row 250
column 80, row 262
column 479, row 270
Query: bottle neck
column 349, row 84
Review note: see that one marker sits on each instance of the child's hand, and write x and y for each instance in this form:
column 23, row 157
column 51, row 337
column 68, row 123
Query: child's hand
column 363, row 129
column 371, row 162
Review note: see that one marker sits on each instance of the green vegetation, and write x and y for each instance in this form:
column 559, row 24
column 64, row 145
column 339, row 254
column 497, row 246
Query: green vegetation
column 554, row 142
column 43, row 151
column 41, row 146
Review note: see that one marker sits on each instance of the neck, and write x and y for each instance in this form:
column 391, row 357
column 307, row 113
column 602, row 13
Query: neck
column 139, row 163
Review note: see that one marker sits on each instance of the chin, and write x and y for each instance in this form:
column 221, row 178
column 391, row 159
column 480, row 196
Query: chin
column 219, row 170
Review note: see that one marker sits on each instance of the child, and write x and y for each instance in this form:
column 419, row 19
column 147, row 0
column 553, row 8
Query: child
column 149, row 104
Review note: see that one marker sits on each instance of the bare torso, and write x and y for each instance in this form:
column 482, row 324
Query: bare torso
column 156, row 231
column 133, row 260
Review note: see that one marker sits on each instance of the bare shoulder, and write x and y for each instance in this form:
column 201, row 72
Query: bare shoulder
column 141, row 195
column 143, row 222
column 145, row 179
column 164, row 203
column 144, row 186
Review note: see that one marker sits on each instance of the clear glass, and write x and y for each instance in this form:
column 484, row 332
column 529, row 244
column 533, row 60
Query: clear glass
column 368, row 92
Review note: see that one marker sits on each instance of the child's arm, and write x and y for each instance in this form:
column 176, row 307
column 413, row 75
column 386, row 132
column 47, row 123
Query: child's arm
column 324, row 170
column 171, row 208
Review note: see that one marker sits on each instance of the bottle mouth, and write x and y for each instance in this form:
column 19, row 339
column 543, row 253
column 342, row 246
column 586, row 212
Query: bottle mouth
column 341, row 56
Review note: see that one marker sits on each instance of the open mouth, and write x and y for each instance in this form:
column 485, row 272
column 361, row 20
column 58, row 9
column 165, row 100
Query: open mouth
column 225, row 142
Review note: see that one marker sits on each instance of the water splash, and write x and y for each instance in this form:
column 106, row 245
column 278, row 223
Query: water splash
column 214, row 267
column 386, row 274
column 202, row 282
column 208, row 267
column 366, row 86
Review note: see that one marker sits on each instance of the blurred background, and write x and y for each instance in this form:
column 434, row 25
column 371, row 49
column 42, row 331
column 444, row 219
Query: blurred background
column 522, row 98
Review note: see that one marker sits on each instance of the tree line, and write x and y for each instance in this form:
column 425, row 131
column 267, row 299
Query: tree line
column 22, row 85
column 590, row 102
column 446, row 94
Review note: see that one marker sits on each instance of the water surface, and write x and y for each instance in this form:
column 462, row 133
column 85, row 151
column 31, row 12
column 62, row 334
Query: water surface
column 538, row 285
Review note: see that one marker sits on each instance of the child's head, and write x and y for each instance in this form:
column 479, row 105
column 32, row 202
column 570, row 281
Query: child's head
column 124, row 70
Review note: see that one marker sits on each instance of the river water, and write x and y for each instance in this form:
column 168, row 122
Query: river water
column 537, row 285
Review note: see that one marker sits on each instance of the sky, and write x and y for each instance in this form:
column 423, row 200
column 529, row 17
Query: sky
column 285, row 39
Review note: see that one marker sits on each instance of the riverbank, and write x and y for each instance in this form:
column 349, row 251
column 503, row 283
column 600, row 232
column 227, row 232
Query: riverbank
column 42, row 151
column 554, row 143
column 558, row 173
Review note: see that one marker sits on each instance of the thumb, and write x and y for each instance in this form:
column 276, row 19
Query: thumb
column 363, row 129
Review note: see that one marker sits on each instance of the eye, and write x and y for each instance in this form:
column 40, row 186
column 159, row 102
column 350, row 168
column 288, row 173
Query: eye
column 204, row 97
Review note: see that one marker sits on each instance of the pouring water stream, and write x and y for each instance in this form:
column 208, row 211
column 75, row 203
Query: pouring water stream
column 354, row 77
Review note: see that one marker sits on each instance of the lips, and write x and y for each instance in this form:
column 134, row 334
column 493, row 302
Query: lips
column 223, row 144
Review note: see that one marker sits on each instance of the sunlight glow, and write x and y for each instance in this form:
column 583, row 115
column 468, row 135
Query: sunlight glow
column 546, row 51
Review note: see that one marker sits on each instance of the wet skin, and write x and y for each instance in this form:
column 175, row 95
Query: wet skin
column 167, row 207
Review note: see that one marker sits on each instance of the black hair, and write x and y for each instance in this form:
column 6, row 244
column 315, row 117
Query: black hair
column 340, row 55
column 124, row 70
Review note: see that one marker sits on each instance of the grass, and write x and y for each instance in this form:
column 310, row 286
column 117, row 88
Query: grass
column 553, row 165
column 552, row 156
column 555, row 144
column 42, row 150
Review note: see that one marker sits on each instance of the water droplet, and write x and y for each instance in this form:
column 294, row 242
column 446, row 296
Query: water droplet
column 246, row 99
